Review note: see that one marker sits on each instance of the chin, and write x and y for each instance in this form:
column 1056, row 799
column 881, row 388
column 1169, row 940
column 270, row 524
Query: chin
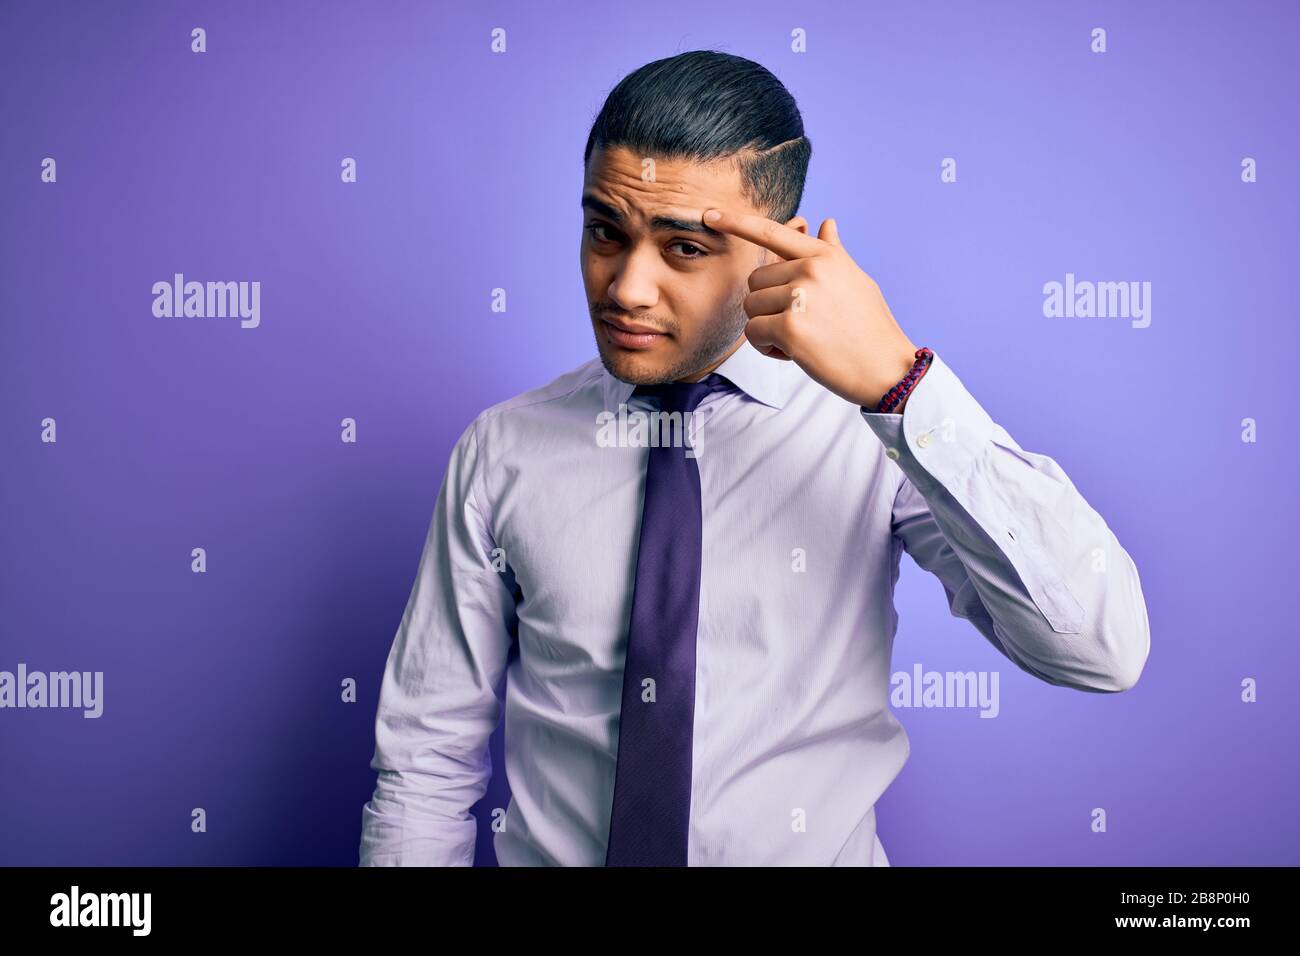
column 635, row 368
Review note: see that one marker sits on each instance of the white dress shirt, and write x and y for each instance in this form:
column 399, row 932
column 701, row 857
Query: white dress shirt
column 808, row 502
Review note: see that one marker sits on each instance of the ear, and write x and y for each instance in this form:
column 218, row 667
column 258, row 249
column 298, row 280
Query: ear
column 800, row 223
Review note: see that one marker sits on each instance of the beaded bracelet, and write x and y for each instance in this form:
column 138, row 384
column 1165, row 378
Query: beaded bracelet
column 908, row 382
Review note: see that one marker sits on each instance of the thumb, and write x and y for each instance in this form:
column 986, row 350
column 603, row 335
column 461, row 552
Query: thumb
column 830, row 232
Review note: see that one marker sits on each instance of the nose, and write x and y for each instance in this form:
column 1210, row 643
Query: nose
column 635, row 285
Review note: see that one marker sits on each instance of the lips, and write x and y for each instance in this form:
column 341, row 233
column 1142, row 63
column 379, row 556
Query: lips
column 630, row 336
column 632, row 327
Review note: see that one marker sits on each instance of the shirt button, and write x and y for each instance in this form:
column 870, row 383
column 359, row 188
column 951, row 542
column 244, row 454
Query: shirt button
column 891, row 453
column 923, row 440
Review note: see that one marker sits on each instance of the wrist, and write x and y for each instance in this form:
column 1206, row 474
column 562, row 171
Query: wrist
column 894, row 399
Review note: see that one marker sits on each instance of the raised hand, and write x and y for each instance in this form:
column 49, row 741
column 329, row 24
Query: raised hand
column 817, row 308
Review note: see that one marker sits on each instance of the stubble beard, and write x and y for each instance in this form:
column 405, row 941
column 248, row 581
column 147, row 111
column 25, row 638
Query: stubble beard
column 717, row 340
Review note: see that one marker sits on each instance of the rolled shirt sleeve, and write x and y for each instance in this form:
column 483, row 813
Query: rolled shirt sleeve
column 438, row 701
column 1020, row 553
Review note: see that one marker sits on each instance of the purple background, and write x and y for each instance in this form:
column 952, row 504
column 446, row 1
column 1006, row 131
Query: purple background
column 222, row 689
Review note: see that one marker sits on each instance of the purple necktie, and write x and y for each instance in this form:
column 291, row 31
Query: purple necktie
column 652, row 780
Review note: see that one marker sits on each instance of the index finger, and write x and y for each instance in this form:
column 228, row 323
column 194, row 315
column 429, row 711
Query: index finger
column 785, row 241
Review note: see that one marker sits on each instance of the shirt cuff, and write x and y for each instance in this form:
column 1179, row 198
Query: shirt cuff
column 941, row 433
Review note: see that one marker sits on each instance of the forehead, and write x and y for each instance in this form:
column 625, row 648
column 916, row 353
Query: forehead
column 621, row 178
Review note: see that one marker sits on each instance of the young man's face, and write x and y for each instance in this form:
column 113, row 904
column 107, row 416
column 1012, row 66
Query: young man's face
column 648, row 263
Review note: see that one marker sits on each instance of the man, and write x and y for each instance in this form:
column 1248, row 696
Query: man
column 704, row 619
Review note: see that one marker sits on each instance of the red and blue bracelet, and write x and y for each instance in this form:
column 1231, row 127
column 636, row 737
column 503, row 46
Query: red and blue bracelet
column 908, row 381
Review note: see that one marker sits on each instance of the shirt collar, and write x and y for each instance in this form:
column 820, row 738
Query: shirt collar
column 767, row 380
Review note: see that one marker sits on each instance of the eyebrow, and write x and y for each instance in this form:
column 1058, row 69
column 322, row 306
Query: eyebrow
column 657, row 223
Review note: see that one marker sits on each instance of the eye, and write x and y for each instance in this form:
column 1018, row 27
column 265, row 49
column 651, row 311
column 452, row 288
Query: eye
column 593, row 227
column 693, row 249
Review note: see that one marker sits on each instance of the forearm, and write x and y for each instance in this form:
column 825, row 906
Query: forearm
column 1021, row 551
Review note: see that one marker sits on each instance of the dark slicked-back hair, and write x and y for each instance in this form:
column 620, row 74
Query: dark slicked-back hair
column 703, row 106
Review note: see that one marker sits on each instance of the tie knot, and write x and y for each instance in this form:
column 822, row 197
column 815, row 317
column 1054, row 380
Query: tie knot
column 684, row 396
